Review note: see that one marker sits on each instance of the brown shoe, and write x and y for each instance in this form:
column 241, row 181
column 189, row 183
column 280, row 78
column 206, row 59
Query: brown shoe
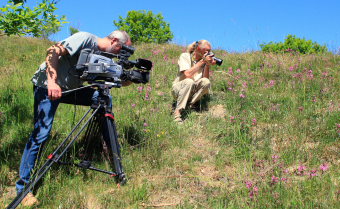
column 29, row 200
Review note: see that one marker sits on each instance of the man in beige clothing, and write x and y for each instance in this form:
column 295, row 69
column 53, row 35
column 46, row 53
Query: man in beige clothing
column 192, row 81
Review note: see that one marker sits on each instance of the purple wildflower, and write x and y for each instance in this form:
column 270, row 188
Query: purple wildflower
column 324, row 167
column 147, row 97
column 313, row 173
column 310, row 74
column 155, row 52
column 140, row 89
column 284, row 179
column 301, row 168
column 314, row 99
column 230, row 70
column 275, row 179
column 249, row 184
column 254, row 122
column 275, row 157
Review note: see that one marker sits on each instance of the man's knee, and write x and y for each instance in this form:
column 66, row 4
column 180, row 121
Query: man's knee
column 174, row 94
column 188, row 82
column 205, row 82
column 181, row 87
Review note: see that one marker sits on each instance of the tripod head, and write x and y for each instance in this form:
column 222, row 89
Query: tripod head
column 100, row 85
column 100, row 92
column 103, row 97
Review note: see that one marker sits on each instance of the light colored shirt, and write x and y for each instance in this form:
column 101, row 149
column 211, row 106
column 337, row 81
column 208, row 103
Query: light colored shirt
column 185, row 62
column 67, row 75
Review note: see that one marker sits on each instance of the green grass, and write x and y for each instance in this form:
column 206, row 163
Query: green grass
column 268, row 116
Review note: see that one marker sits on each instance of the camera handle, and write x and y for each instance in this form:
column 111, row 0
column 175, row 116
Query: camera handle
column 98, row 84
column 109, row 132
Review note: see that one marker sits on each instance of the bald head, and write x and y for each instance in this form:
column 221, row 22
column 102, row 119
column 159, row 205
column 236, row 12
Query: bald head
column 122, row 36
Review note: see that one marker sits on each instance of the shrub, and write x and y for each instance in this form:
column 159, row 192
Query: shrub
column 17, row 19
column 73, row 30
column 146, row 27
column 292, row 43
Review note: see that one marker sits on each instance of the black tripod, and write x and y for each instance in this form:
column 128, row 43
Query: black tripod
column 101, row 120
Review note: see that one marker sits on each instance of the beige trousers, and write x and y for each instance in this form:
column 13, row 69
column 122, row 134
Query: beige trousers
column 189, row 91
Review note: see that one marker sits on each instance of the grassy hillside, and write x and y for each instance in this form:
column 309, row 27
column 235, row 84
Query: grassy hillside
column 269, row 136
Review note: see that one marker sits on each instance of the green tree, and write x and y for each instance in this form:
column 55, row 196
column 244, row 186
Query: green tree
column 73, row 30
column 292, row 43
column 144, row 26
column 17, row 19
column 18, row 1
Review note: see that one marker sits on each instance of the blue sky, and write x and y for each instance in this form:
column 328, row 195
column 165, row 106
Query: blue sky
column 236, row 26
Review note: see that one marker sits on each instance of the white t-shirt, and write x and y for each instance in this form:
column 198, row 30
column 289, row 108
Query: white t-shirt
column 185, row 62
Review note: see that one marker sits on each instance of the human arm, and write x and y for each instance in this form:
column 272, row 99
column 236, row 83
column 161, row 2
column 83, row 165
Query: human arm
column 53, row 54
column 208, row 60
column 188, row 71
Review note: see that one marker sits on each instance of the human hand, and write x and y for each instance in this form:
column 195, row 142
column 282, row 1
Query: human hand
column 54, row 91
column 208, row 58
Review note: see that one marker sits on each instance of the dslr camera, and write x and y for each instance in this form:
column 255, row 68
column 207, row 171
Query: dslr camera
column 218, row 60
column 99, row 66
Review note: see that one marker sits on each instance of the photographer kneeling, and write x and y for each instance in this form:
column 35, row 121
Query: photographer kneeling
column 192, row 81
column 54, row 76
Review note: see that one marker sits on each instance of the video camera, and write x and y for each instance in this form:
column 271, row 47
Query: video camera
column 100, row 66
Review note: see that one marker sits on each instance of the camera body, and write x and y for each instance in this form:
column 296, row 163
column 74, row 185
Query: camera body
column 218, row 60
column 100, row 66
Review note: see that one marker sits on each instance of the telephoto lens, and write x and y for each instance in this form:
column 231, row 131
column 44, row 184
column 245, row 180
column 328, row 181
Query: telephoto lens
column 218, row 61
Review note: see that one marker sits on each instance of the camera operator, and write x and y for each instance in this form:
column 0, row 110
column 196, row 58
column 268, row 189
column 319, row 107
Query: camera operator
column 54, row 76
column 192, row 81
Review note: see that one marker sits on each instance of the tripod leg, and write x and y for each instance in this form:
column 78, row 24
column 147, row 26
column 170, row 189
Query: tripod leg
column 110, row 135
column 52, row 158
column 93, row 130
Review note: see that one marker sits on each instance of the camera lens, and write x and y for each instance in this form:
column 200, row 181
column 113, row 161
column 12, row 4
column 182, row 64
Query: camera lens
column 129, row 49
column 218, row 61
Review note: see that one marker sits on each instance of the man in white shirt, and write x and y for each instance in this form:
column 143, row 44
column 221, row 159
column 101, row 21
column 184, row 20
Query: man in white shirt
column 192, row 81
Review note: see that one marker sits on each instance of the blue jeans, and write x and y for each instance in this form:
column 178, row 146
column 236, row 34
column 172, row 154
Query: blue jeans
column 44, row 111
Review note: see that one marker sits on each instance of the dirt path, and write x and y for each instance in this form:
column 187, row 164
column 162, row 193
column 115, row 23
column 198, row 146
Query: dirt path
column 195, row 172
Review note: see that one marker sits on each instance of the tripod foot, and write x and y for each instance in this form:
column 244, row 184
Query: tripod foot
column 121, row 179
